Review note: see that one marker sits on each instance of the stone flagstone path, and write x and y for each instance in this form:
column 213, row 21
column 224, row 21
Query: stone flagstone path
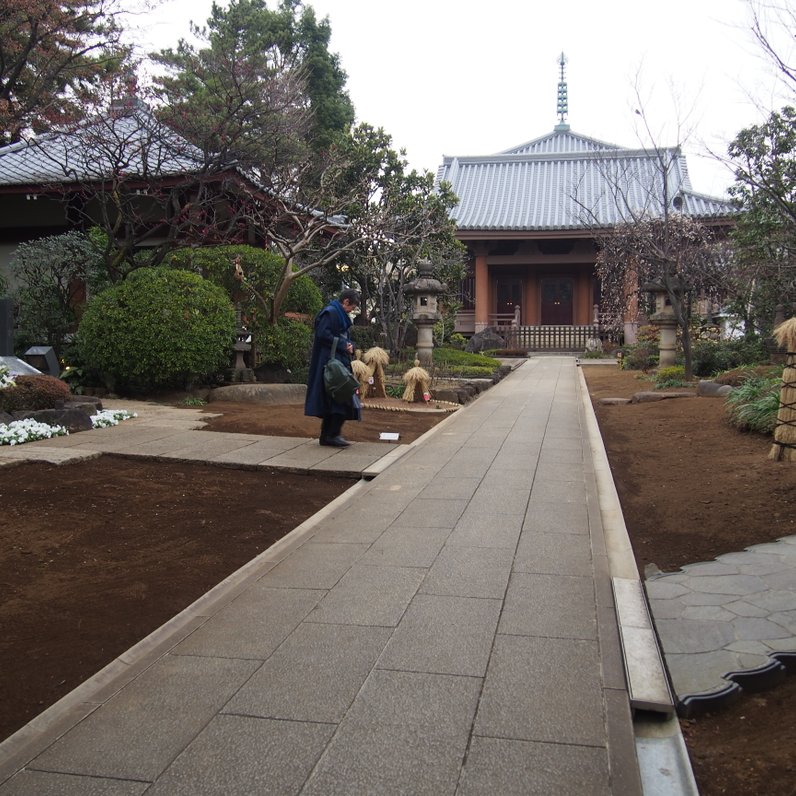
column 724, row 622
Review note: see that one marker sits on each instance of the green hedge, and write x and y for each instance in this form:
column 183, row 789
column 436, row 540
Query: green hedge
column 161, row 327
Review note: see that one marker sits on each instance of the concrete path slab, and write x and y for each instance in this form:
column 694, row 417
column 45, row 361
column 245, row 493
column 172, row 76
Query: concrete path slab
column 451, row 619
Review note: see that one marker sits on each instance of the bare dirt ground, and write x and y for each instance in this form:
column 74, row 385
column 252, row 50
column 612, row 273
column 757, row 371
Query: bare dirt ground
column 692, row 487
column 94, row 556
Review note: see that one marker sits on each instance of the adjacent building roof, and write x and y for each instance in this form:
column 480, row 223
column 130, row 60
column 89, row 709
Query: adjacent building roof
column 567, row 181
column 130, row 140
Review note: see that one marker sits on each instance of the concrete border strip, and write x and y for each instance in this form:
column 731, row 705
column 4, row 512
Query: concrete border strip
column 662, row 755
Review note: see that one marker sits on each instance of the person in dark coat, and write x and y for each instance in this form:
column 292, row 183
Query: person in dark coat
column 332, row 321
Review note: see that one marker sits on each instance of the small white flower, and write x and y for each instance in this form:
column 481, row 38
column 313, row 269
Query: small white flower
column 110, row 417
column 20, row 431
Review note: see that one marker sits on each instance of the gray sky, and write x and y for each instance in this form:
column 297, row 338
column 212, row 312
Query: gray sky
column 452, row 77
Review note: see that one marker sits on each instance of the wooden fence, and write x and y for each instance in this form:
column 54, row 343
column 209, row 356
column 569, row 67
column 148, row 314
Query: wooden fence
column 548, row 338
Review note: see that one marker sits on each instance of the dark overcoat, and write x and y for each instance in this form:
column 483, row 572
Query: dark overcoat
column 332, row 321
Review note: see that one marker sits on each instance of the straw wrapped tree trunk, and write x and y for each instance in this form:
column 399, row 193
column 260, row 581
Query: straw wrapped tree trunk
column 784, row 447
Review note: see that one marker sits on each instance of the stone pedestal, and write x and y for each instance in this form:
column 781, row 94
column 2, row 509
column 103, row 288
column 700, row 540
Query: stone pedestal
column 668, row 340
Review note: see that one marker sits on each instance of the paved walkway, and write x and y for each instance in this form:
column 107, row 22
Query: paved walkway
column 448, row 627
column 728, row 623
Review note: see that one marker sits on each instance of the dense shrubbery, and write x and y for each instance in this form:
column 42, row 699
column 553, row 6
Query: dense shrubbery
column 737, row 376
column 672, row 376
column 754, row 404
column 260, row 267
column 287, row 345
column 709, row 357
column 365, row 337
column 34, row 392
column 50, row 272
column 644, row 354
column 159, row 328
column 453, row 358
column 450, row 362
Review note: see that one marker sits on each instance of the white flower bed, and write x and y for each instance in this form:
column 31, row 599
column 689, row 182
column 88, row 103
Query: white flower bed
column 19, row 431
column 111, row 417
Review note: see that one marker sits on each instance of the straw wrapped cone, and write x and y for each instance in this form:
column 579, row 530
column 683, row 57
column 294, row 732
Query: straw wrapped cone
column 417, row 383
column 362, row 373
column 784, row 447
column 376, row 359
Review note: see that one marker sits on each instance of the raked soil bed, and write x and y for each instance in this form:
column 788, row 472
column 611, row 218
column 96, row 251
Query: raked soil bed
column 95, row 555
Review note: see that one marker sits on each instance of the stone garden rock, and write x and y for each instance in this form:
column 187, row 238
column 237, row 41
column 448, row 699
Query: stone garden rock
column 649, row 396
column 613, row 401
column 712, row 389
column 71, row 419
column 484, row 341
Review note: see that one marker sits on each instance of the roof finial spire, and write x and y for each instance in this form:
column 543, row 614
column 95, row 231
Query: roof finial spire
column 563, row 107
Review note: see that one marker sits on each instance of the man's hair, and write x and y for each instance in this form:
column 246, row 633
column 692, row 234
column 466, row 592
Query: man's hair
column 352, row 295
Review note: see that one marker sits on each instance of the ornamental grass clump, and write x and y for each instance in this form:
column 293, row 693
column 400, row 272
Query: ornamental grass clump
column 753, row 405
column 784, row 447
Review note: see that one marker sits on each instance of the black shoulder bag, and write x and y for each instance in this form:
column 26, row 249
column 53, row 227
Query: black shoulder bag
column 338, row 381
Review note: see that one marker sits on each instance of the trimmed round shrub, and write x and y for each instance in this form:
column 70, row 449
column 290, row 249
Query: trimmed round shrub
column 34, row 392
column 159, row 328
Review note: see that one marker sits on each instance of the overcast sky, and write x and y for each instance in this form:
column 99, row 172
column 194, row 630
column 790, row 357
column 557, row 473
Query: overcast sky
column 451, row 77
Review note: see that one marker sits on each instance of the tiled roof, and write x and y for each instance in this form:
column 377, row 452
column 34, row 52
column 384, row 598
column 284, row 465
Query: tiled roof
column 566, row 181
column 134, row 142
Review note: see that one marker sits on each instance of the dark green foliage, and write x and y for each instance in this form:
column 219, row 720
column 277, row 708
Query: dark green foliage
column 365, row 337
column 52, row 272
column 640, row 356
column 159, row 328
column 452, row 358
column 286, row 345
column 34, row 392
column 713, row 356
column 764, row 239
column 261, row 269
column 262, row 89
column 753, row 406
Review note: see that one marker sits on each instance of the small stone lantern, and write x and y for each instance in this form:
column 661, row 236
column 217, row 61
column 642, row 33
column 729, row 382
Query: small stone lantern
column 665, row 320
column 424, row 291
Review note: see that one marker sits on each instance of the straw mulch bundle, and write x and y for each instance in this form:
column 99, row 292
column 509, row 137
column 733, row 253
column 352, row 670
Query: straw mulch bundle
column 784, row 447
column 417, row 383
column 376, row 359
column 362, row 373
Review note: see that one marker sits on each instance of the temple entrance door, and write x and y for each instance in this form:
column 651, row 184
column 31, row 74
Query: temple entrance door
column 557, row 295
column 509, row 295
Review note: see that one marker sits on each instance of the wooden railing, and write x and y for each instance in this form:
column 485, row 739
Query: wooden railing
column 548, row 338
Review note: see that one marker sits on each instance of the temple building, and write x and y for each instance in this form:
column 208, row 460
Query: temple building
column 531, row 218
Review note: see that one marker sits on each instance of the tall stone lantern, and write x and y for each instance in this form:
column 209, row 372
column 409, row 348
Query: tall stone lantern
column 664, row 318
column 424, row 291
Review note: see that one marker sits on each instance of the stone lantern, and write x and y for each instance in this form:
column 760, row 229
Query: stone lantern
column 424, row 291
column 665, row 320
